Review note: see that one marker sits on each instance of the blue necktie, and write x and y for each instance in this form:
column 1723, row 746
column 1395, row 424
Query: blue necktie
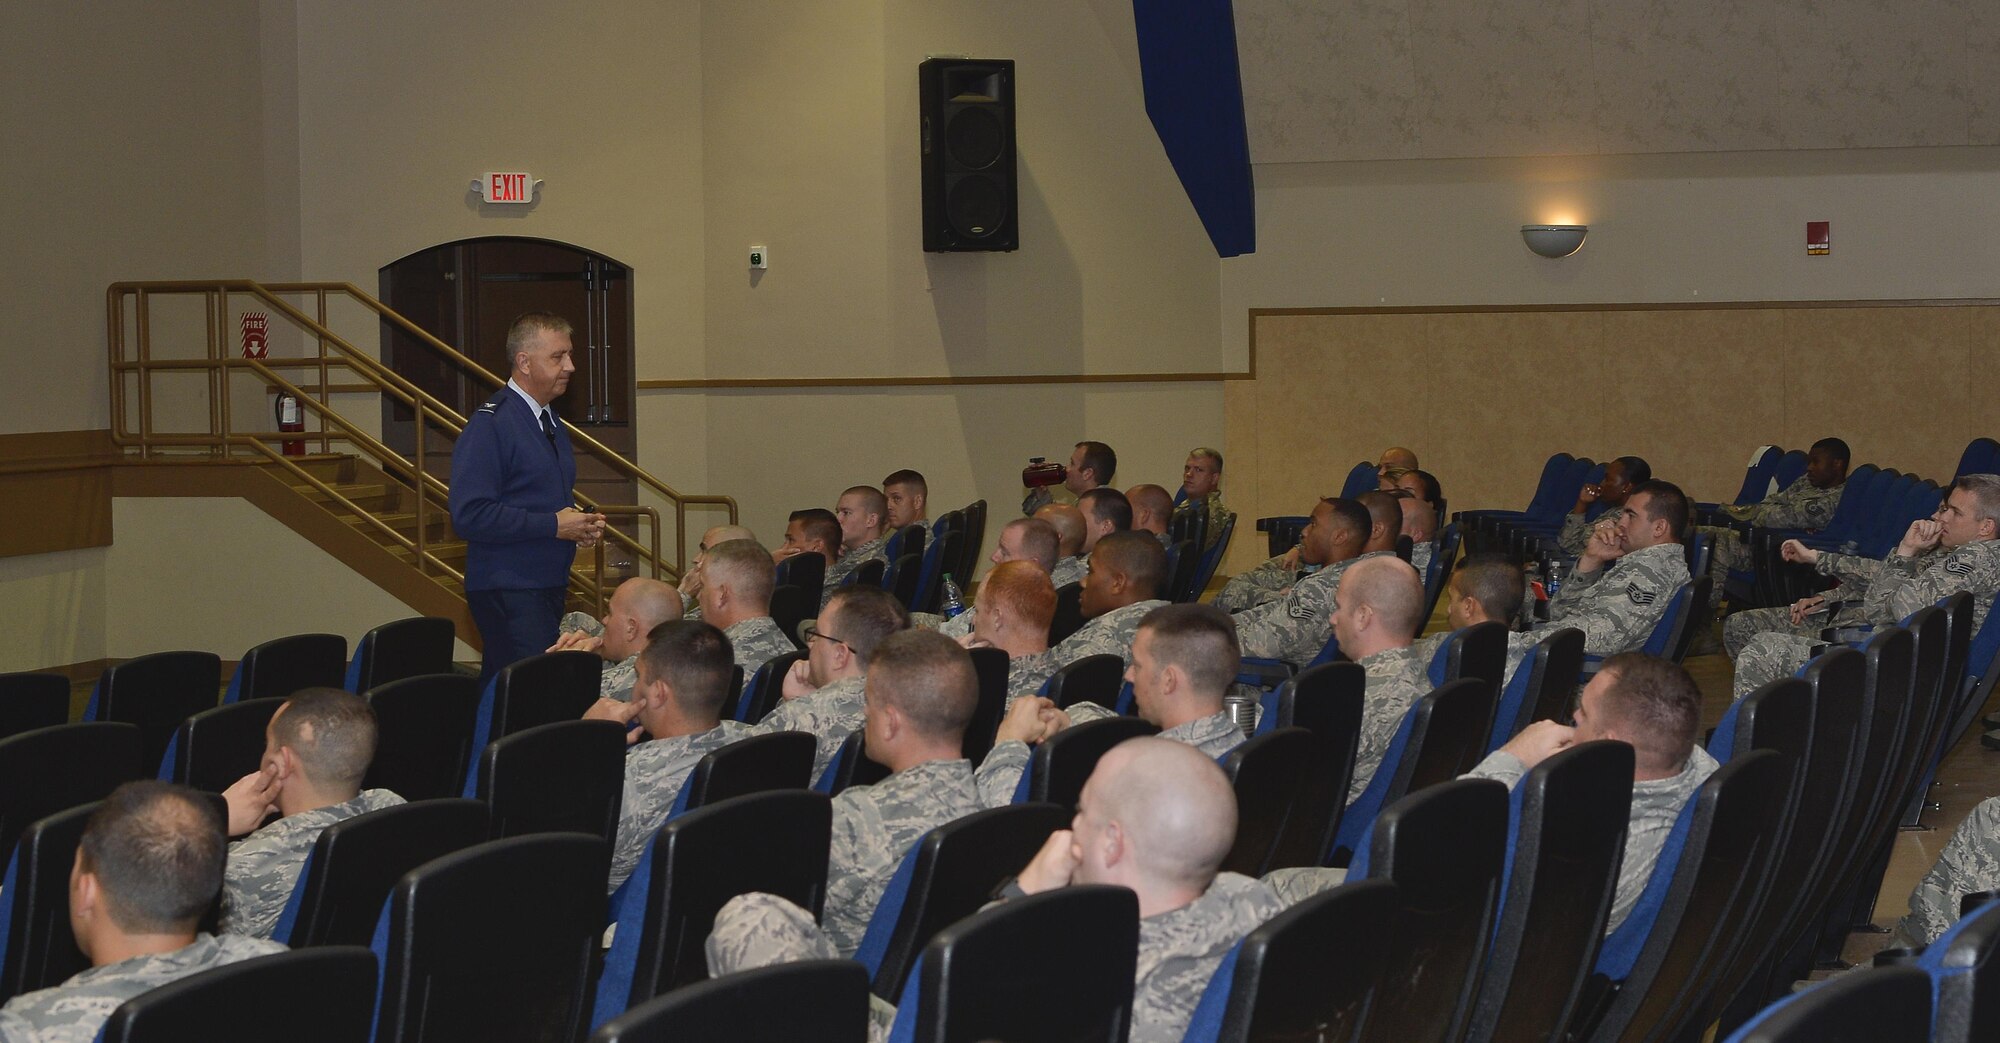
column 549, row 428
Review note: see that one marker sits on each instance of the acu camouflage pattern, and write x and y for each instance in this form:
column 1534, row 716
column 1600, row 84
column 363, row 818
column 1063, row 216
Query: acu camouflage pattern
column 761, row 930
column 1258, row 586
column 1396, row 680
column 1420, row 559
column 1854, row 574
column 829, row 714
column 76, row 1010
column 1656, row 806
column 1576, row 532
column 1618, row 606
column 618, row 677
column 874, row 827
column 837, row 572
column 757, row 641
column 263, row 867
column 1108, row 634
column 1295, row 627
column 1901, row 586
column 1800, row 505
column 1180, row 950
column 1969, row 863
column 655, row 771
column 1218, row 516
column 956, row 627
column 1026, row 674
column 1069, row 570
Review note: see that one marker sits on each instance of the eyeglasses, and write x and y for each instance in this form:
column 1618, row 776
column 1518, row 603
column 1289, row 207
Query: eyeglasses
column 810, row 631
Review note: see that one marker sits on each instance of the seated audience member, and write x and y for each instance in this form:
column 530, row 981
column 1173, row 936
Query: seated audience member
column 1012, row 612
column 690, row 589
column 1626, row 578
column 637, row 606
column 1969, row 864
column 1028, row 540
column 1122, row 585
column 1091, row 465
column 1105, row 511
column 1325, row 540
column 1297, row 626
column 1379, row 603
column 1597, row 500
column 147, row 869
column 1654, row 706
column 317, row 749
column 736, row 597
column 813, row 529
column 823, row 692
column 1420, row 524
column 1201, row 490
column 1807, row 503
column 1183, row 663
column 1152, row 510
column 1396, row 456
column 863, row 514
column 683, row 686
column 1486, row 588
column 1952, row 552
column 908, row 498
column 1155, row 816
column 921, row 695
column 1068, row 524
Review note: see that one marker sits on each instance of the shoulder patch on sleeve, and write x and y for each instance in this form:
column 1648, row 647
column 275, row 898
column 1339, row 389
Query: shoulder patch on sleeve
column 1638, row 596
column 1958, row 567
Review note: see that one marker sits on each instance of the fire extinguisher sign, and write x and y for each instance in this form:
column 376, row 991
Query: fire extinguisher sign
column 256, row 330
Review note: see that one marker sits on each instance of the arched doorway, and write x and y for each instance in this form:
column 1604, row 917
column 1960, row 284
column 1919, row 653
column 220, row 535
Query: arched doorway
column 467, row 293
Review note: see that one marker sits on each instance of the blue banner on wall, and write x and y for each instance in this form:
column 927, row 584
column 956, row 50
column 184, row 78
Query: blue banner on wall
column 1194, row 96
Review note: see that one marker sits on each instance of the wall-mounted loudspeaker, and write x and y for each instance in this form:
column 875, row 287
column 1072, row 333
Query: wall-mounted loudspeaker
column 971, row 200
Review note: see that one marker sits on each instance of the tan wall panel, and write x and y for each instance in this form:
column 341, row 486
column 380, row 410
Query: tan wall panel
column 1485, row 396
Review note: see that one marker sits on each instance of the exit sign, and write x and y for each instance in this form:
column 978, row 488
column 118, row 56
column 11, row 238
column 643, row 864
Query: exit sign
column 509, row 187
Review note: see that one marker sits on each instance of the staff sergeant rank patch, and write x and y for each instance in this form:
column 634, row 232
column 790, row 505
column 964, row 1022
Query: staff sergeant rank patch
column 1639, row 597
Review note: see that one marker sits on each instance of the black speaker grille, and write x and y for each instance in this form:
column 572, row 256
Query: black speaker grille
column 974, row 139
column 976, row 206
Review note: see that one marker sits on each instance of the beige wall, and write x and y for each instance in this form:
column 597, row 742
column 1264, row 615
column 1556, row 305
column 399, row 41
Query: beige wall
column 52, row 609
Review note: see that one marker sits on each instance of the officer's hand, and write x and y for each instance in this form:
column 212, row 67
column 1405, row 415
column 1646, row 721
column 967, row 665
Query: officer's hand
column 1793, row 550
column 1539, row 741
column 1053, row 866
column 1923, row 535
column 796, row 683
column 575, row 525
column 691, row 581
column 250, row 798
column 577, row 641
column 1023, row 722
column 1804, row 607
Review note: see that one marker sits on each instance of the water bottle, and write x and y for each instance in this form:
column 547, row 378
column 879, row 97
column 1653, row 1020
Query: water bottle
column 1553, row 581
column 954, row 599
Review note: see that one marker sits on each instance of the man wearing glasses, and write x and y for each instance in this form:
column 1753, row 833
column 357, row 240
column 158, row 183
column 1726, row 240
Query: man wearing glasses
column 823, row 692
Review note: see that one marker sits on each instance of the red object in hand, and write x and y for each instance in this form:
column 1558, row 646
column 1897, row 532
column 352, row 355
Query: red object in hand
column 1040, row 473
column 290, row 418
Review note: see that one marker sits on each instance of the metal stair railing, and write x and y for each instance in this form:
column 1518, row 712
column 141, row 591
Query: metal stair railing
column 223, row 439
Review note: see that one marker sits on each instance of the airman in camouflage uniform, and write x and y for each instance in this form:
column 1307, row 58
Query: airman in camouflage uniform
column 263, row 867
column 1219, row 516
column 1069, row 570
column 1265, row 583
column 616, row 682
column 1180, row 950
column 757, row 641
column 636, row 607
column 1298, row 625
column 655, row 771
column 1618, row 607
column 999, row 775
column 1807, row 503
column 1026, row 674
column 1969, row 863
column 1841, row 606
column 829, row 714
column 1108, row 634
column 76, row 1010
column 1201, row 477
column 863, row 513
column 1396, row 680
column 837, row 573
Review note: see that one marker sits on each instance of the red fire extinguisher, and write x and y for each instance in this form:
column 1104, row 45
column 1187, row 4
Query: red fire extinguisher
column 291, row 418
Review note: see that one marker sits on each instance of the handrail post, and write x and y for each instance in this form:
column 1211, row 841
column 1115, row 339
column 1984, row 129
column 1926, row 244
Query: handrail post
column 143, row 311
column 417, row 487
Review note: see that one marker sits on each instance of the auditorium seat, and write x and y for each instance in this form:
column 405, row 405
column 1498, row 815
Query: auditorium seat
column 35, row 939
column 1478, row 651
column 805, row 570
column 1551, row 692
column 214, row 748
column 50, row 769
column 792, row 605
column 1304, row 974
column 990, row 666
column 1282, row 532
column 1444, row 560
column 1566, row 835
column 945, row 556
column 276, row 669
column 1326, row 701
column 1964, row 967
column 157, row 692
column 355, row 863
column 1094, row 679
column 1211, row 559
column 423, row 735
column 814, row 1001
column 1069, row 613
column 464, row 957
column 764, row 690
column 324, row 995
column 993, row 975
column 540, row 689
column 851, row 766
column 904, row 579
column 1058, row 768
column 774, row 842
column 1445, row 848
column 949, row 874
column 1183, row 558
column 1441, row 737
column 1885, row 1005
column 567, row 776
column 30, row 701
column 1271, row 775
column 402, row 648
column 780, row 760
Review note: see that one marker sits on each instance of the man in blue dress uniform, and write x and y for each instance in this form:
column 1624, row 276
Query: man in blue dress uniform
column 511, row 478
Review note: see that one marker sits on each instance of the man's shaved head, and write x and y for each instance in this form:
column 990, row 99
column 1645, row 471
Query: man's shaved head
column 1152, row 507
column 1172, row 804
column 651, row 601
column 1420, row 520
column 1387, row 585
column 725, row 533
column 1397, row 456
column 1068, row 523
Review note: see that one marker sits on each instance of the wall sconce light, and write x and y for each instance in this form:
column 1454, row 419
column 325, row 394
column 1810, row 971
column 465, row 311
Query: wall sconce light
column 1553, row 241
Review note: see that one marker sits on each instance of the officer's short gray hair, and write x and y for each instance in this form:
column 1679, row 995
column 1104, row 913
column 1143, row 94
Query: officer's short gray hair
column 1985, row 490
column 522, row 333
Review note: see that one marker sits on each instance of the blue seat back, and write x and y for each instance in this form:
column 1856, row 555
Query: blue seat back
column 1360, row 479
column 1548, row 488
column 1981, row 456
column 1513, row 695
column 1788, row 469
column 1211, row 559
column 1850, row 514
column 1961, row 961
column 1757, row 477
column 1660, row 641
